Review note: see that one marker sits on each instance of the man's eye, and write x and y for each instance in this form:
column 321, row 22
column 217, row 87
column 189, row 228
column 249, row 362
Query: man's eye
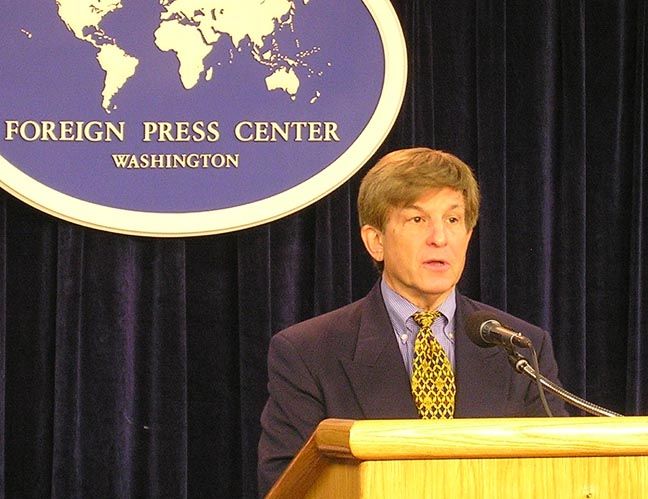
column 417, row 220
column 454, row 220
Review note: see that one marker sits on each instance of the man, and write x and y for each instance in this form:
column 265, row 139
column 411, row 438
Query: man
column 418, row 208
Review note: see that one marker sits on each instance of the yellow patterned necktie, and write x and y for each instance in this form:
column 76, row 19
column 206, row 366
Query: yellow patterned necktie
column 433, row 384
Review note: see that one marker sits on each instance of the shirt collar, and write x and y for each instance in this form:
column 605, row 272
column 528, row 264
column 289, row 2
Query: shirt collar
column 400, row 309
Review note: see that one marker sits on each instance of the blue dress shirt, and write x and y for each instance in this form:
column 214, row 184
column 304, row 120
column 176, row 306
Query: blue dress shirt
column 400, row 313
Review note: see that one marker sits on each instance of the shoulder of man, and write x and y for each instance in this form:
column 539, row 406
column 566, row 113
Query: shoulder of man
column 336, row 328
column 340, row 319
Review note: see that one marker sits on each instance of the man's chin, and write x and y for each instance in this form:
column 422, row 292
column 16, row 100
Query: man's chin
column 439, row 290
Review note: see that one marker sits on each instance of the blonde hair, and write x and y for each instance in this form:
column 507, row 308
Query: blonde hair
column 402, row 176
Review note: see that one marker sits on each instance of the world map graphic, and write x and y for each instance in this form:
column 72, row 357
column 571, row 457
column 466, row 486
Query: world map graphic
column 191, row 29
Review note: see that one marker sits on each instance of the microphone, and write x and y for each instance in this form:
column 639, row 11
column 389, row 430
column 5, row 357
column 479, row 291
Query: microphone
column 485, row 331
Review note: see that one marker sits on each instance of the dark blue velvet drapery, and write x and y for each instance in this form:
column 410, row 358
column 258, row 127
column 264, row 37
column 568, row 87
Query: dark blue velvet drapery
column 135, row 367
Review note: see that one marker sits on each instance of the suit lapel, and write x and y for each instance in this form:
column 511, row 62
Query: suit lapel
column 380, row 382
column 376, row 372
column 482, row 376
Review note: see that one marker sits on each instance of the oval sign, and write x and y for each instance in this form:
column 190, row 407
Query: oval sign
column 190, row 117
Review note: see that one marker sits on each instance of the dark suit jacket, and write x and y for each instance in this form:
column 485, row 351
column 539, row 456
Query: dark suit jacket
column 347, row 364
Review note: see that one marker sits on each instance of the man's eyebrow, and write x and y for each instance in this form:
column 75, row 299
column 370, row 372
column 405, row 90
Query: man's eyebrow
column 415, row 206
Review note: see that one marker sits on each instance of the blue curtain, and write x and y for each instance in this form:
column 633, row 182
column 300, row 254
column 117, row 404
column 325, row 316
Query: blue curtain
column 135, row 367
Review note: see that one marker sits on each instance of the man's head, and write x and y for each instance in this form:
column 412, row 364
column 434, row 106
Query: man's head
column 402, row 176
column 417, row 210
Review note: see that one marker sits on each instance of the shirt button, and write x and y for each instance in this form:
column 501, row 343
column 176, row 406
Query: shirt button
column 403, row 337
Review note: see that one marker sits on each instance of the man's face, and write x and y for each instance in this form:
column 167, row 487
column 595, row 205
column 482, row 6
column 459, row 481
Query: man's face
column 423, row 247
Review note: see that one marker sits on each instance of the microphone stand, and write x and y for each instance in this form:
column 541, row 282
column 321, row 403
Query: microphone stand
column 521, row 365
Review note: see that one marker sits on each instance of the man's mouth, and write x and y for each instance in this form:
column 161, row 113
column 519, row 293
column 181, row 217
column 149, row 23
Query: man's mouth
column 436, row 264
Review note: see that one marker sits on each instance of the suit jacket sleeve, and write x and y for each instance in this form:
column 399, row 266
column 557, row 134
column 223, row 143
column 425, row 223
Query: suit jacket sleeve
column 293, row 410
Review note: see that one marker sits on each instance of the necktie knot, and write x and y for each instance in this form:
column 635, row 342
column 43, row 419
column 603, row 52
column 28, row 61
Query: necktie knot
column 426, row 319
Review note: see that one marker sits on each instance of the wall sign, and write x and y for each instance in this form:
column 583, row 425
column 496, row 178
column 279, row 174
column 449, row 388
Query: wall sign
column 187, row 117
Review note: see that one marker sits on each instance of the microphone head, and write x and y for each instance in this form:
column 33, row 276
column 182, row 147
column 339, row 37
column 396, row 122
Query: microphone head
column 474, row 327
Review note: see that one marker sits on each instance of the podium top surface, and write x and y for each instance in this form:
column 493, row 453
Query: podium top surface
column 497, row 437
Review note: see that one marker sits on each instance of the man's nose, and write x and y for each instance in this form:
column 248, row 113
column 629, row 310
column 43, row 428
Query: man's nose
column 437, row 234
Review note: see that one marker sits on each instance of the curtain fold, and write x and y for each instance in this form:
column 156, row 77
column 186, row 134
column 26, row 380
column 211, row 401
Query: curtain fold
column 136, row 367
column 637, row 345
column 3, row 336
column 119, row 368
column 491, row 61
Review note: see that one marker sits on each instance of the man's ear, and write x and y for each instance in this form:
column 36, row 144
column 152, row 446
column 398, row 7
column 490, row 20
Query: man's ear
column 373, row 241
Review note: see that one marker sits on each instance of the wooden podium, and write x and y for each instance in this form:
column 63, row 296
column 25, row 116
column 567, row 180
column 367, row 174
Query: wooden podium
column 552, row 458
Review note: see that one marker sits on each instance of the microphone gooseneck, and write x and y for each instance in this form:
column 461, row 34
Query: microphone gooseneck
column 485, row 331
